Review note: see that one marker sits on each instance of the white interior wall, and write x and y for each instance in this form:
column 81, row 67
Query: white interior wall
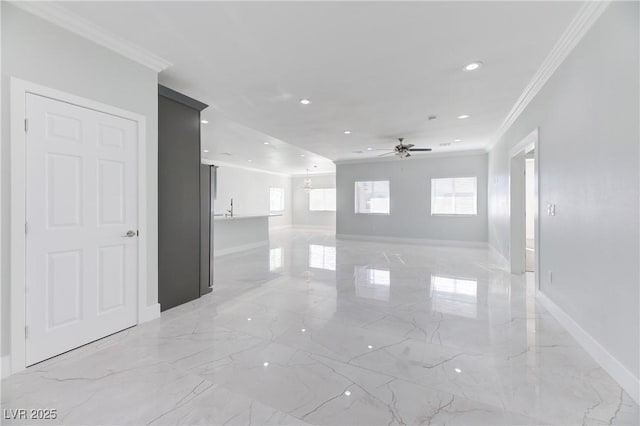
column 410, row 188
column 42, row 53
column 250, row 192
column 302, row 216
column 587, row 115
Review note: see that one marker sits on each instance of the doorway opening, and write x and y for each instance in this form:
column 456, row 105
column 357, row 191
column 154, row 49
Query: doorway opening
column 530, row 205
column 524, row 224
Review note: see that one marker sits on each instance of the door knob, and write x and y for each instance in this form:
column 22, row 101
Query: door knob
column 131, row 233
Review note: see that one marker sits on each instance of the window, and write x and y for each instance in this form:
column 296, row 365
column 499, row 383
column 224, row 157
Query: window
column 454, row 196
column 372, row 197
column 276, row 199
column 322, row 200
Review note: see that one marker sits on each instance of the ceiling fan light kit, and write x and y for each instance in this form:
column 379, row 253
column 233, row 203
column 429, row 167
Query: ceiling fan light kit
column 403, row 150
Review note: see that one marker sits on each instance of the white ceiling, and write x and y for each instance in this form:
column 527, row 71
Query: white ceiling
column 378, row 69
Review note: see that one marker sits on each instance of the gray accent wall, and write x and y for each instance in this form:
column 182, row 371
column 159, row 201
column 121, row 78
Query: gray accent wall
column 589, row 137
column 40, row 52
column 410, row 188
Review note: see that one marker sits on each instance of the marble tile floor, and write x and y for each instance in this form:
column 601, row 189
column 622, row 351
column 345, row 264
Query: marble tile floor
column 316, row 331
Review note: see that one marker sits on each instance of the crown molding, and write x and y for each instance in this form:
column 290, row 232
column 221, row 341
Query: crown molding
column 72, row 22
column 312, row 175
column 588, row 14
column 236, row 166
column 412, row 158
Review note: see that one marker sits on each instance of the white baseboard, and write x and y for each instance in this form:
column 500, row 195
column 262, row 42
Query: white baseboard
column 505, row 262
column 608, row 362
column 149, row 313
column 418, row 241
column 5, row 368
column 236, row 249
column 318, row 227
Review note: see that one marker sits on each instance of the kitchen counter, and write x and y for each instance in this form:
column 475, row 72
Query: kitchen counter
column 232, row 234
column 250, row 216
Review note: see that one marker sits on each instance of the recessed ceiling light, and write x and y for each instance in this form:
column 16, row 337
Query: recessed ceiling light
column 370, row 347
column 347, row 132
column 250, row 161
column 347, row 393
column 463, row 116
column 473, row 66
column 457, row 140
column 265, row 143
column 266, row 364
column 301, row 155
column 204, row 121
column 303, row 330
column 369, row 149
column 305, row 101
column 457, row 370
column 205, row 150
column 249, row 319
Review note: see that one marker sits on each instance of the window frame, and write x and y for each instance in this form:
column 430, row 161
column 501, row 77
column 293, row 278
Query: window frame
column 453, row 214
column 322, row 210
column 281, row 190
column 355, row 199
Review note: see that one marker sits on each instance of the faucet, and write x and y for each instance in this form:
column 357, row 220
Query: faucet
column 230, row 211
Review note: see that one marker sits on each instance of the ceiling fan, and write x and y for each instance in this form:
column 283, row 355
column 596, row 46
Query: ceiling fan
column 403, row 150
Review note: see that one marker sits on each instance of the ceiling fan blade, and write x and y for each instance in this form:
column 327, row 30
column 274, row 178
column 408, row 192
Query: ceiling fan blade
column 387, row 153
column 420, row 149
column 409, row 145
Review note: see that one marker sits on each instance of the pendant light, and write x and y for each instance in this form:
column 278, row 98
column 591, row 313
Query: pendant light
column 307, row 183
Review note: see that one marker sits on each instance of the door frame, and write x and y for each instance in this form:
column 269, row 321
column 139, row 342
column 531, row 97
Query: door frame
column 517, row 246
column 17, row 109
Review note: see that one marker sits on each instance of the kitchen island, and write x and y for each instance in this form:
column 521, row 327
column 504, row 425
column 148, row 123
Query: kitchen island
column 240, row 232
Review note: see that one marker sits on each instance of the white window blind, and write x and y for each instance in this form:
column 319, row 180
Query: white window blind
column 454, row 196
column 276, row 199
column 372, row 197
column 322, row 199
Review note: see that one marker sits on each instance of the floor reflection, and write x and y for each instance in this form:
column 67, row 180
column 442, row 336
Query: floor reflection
column 275, row 259
column 322, row 257
column 454, row 296
column 372, row 283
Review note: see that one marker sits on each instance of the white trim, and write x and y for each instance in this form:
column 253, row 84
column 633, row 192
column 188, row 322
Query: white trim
column 312, row 174
column 76, row 24
column 18, row 91
column 418, row 241
column 608, row 362
column 5, row 367
column 579, row 26
column 236, row 166
column 149, row 313
column 316, row 227
column 237, row 249
column 413, row 158
column 503, row 260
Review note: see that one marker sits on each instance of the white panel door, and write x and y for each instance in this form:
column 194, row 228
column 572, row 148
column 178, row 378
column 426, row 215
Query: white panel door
column 81, row 277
